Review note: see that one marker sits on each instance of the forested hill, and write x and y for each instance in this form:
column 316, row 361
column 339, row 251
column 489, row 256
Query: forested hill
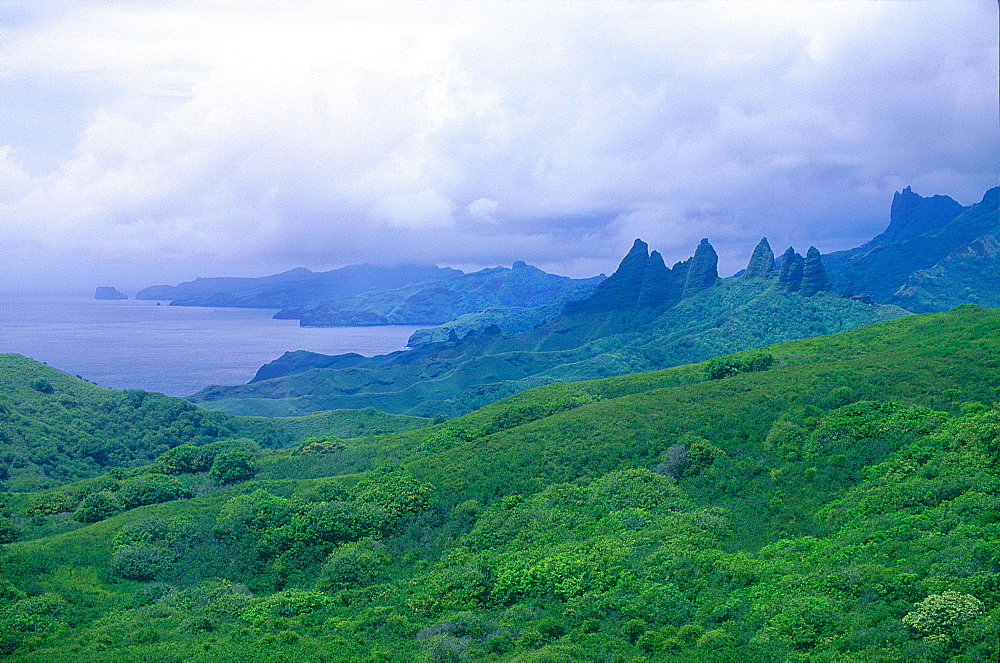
column 831, row 498
column 643, row 317
column 522, row 287
column 56, row 428
column 296, row 287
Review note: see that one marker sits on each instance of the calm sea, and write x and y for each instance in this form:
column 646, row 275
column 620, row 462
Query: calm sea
column 175, row 350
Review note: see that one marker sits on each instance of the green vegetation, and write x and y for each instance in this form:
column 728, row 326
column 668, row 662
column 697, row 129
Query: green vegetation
column 632, row 323
column 957, row 279
column 840, row 505
column 55, row 429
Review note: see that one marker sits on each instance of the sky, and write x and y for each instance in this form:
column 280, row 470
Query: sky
column 148, row 143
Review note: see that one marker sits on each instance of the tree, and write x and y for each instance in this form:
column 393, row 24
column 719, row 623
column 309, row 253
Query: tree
column 152, row 489
column 352, row 565
column 41, row 385
column 939, row 614
column 232, row 466
column 724, row 367
column 184, row 459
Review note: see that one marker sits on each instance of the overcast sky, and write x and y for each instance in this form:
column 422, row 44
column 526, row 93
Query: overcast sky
column 152, row 142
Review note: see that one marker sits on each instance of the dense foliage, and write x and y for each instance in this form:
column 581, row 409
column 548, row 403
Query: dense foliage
column 55, row 429
column 841, row 505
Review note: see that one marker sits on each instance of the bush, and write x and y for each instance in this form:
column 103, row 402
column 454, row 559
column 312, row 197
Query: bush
column 724, row 367
column 140, row 561
column 939, row 614
column 185, row 459
column 41, row 385
column 317, row 446
column 9, row 532
column 232, row 466
column 152, row 489
column 98, row 506
column 354, row 565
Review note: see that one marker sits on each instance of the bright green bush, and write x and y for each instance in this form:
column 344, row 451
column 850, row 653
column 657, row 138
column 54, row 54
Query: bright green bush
column 232, row 466
column 938, row 616
column 152, row 489
column 354, row 565
column 140, row 561
column 98, row 506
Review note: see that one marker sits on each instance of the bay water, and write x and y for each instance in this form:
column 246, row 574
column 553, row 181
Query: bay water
column 174, row 350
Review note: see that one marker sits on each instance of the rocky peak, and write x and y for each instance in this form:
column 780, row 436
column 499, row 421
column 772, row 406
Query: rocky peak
column 912, row 215
column 814, row 276
column 703, row 271
column 790, row 275
column 761, row 263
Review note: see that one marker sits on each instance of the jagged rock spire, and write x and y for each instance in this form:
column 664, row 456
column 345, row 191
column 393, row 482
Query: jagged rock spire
column 621, row 288
column 661, row 286
column 704, row 270
column 761, row 263
column 790, row 275
column 814, row 276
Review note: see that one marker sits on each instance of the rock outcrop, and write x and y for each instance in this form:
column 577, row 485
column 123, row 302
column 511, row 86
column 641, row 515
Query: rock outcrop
column 761, row 265
column 790, row 275
column 704, row 270
column 814, row 277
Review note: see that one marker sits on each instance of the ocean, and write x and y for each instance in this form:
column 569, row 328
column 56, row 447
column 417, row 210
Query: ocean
column 174, row 350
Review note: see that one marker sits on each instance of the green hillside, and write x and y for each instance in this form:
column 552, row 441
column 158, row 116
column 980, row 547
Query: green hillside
column 832, row 498
column 56, row 428
column 963, row 277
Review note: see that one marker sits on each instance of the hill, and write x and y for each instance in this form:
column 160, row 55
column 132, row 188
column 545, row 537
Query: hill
column 296, row 287
column 924, row 234
column 837, row 502
column 437, row 302
column 56, row 428
column 643, row 317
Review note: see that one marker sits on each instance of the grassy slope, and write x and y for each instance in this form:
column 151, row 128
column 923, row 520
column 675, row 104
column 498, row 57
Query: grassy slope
column 815, row 529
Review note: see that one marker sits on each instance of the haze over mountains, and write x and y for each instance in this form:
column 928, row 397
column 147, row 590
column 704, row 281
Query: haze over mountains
column 645, row 316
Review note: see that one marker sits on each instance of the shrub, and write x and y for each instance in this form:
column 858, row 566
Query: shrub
column 140, row 561
column 232, row 466
column 185, row 459
column 317, row 446
column 9, row 532
column 41, row 385
column 98, row 506
column 352, row 565
column 939, row 614
column 724, row 367
column 152, row 489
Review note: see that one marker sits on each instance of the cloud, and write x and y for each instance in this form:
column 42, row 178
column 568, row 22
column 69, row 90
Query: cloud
column 154, row 142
